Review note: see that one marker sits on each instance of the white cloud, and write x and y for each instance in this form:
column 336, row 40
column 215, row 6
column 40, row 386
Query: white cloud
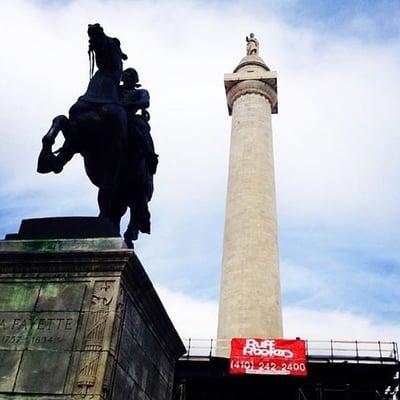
column 196, row 322
column 337, row 325
column 193, row 318
column 197, row 319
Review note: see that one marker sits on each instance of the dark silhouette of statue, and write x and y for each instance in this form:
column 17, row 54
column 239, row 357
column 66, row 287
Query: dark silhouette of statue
column 115, row 142
column 144, row 160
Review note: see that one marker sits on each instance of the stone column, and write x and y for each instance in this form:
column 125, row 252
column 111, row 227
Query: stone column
column 250, row 304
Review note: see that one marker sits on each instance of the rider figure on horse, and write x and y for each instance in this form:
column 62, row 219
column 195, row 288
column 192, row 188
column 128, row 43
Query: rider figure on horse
column 133, row 100
column 144, row 158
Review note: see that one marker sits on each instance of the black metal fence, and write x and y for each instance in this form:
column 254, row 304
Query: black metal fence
column 316, row 350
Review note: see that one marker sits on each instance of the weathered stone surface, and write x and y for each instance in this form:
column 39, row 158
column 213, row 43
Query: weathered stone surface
column 125, row 386
column 151, row 369
column 42, row 372
column 81, row 323
column 42, row 397
column 19, row 296
column 53, row 331
column 57, row 296
column 14, row 330
column 9, row 363
column 50, row 331
column 60, row 245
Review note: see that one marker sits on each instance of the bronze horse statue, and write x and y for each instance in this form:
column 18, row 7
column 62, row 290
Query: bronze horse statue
column 114, row 141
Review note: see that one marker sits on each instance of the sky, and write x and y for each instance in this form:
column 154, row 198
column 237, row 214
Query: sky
column 336, row 144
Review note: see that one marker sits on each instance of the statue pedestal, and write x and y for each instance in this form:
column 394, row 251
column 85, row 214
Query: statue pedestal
column 79, row 318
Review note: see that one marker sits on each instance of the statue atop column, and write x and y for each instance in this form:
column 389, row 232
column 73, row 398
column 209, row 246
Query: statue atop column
column 252, row 45
column 115, row 142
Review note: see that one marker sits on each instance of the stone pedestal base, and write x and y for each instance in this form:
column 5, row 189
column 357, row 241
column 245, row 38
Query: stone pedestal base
column 79, row 318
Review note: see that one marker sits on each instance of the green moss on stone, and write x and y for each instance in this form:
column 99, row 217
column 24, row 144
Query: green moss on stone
column 59, row 296
column 18, row 296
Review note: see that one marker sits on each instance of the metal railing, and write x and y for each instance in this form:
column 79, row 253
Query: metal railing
column 316, row 350
column 352, row 351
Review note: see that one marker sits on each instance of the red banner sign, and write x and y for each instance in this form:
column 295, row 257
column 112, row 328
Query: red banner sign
column 268, row 357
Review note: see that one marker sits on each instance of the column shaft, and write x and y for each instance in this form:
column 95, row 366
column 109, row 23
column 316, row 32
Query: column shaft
column 250, row 290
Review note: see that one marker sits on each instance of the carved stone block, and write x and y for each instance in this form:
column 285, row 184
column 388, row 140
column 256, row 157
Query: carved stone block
column 42, row 372
column 81, row 322
column 8, row 369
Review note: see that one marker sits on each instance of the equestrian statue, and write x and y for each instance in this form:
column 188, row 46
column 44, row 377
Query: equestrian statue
column 109, row 127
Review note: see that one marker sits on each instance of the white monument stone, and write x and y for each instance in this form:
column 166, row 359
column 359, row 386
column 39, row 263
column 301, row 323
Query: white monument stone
column 250, row 300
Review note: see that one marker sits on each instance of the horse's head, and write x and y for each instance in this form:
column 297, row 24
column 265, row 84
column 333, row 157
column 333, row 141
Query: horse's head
column 97, row 36
column 97, row 44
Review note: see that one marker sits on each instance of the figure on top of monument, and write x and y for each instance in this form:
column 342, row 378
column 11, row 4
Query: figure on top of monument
column 100, row 129
column 252, row 44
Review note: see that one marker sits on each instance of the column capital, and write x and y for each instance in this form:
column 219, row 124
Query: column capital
column 256, row 81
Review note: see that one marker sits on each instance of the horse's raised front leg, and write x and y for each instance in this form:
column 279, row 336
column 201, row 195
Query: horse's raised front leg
column 54, row 162
column 60, row 123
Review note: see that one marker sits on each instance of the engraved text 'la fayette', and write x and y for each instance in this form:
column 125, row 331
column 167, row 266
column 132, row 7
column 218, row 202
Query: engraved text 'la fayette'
column 49, row 324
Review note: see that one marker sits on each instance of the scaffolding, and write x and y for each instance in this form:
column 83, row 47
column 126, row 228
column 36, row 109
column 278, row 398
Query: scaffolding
column 316, row 350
